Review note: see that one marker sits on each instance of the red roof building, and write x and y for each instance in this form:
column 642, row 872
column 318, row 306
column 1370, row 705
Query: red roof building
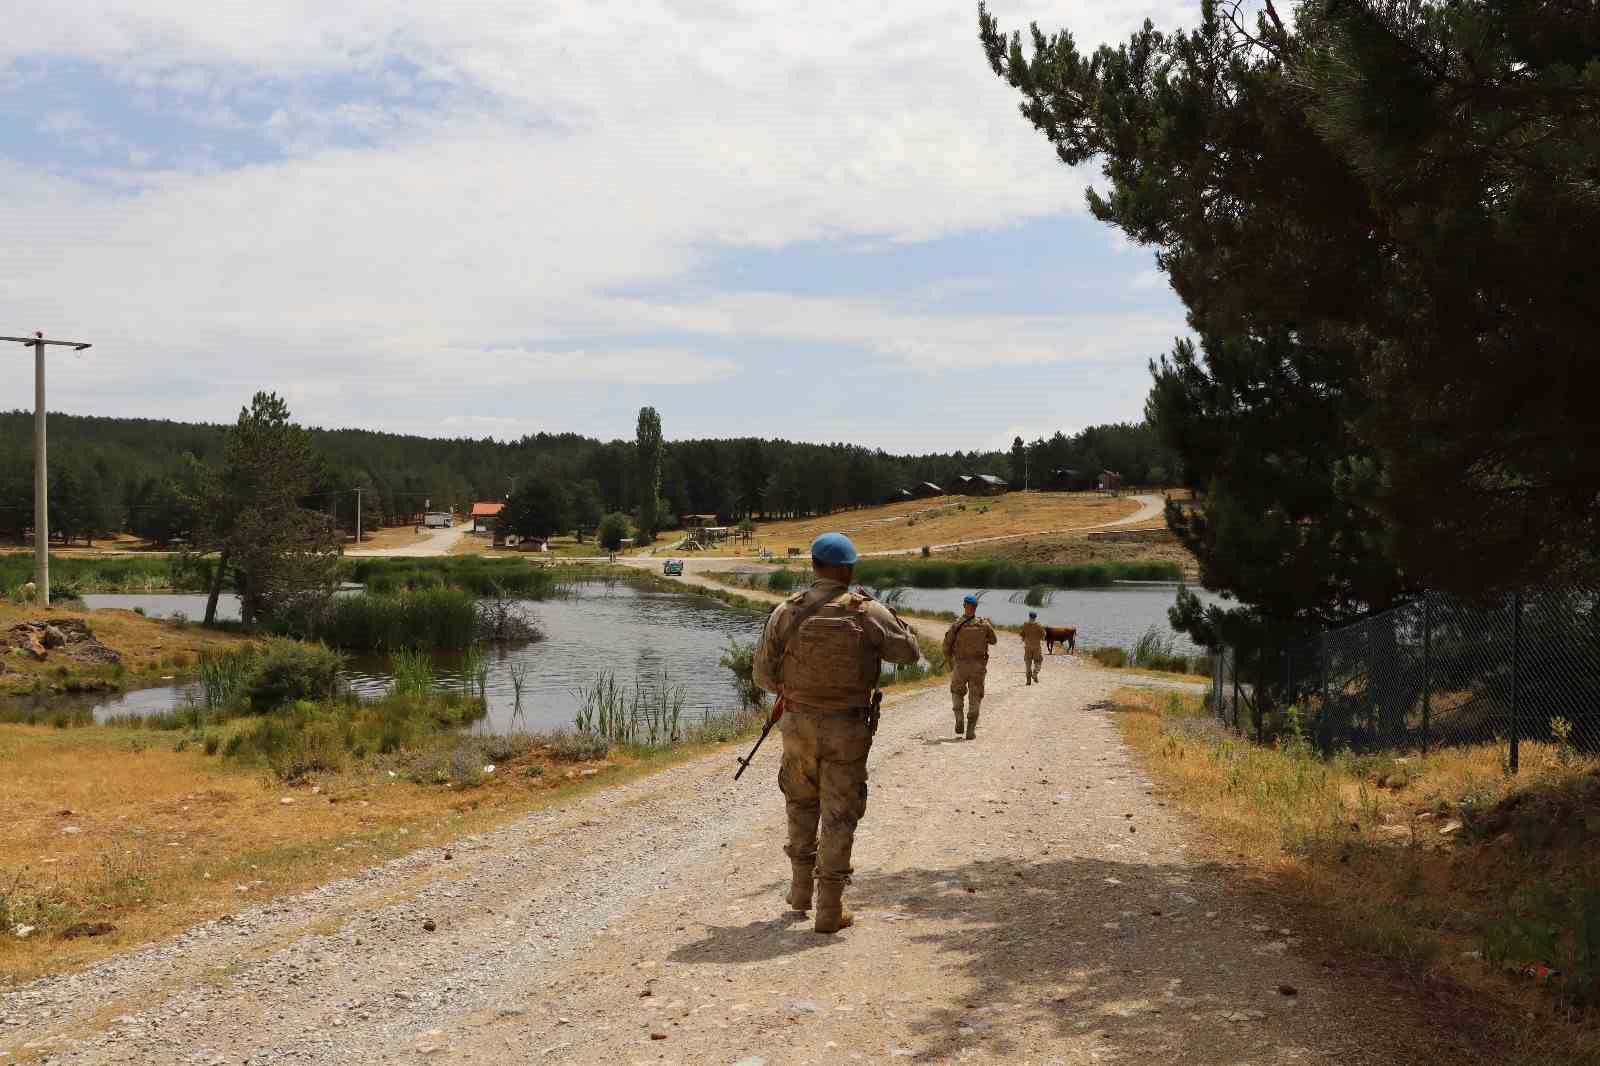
column 484, row 513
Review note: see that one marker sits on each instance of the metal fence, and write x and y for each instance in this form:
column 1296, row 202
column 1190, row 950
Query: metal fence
column 1432, row 672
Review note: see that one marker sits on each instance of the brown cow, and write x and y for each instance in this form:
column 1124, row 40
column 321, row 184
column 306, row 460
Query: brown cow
column 1067, row 635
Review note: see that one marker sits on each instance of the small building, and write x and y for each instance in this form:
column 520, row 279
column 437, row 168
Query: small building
column 1109, row 481
column 924, row 490
column 486, row 515
column 984, row 485
column 436, row 519
column 899, row 496
column 1065, row 480
column 696, row 521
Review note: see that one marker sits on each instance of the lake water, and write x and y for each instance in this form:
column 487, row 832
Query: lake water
column 637, row 634
column 643, row 636
column 1116, row 615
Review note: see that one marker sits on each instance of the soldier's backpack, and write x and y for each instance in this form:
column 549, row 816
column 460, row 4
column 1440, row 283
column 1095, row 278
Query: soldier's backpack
column 828, row 657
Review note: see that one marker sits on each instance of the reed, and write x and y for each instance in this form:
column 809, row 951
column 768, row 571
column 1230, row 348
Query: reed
column 439, row 619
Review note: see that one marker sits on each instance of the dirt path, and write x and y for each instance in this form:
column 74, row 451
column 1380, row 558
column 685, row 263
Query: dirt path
column 439, row 542
column 1020, row 899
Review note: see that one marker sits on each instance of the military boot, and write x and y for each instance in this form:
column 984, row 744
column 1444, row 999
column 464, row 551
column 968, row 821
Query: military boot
column 961, row 724
column 972, row 724
column 799, row 896
column 831, row 913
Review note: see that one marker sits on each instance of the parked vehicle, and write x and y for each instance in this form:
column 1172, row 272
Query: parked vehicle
column 436, row 520
column 672, row 568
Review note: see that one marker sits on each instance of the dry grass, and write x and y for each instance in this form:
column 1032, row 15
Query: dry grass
column 1419, row 860
column 950, row 519
column 390, row 537
column 147, row 646
column 1078, row 548
column 168, row 838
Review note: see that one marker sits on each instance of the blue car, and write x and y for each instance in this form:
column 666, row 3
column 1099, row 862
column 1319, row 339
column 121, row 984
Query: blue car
column 672, row 568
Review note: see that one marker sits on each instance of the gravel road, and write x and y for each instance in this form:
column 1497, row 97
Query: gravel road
column 1024, row 898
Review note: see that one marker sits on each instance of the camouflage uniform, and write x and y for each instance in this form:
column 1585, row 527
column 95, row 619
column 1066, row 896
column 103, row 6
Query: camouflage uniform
column 1032, row 649
column 826, row 669
column 966, row 645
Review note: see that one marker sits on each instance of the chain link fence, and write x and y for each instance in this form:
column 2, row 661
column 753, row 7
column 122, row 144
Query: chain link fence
column 1433, row 672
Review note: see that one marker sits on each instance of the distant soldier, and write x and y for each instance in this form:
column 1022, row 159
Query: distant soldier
column 966, row 644
column 822, row 651
column 1032, row 646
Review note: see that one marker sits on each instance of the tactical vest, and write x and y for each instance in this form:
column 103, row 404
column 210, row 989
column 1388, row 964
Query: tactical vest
column 972, row 640
column 829, row 661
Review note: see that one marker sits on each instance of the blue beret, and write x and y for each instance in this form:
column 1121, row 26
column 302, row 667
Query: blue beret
column 1033, row 614
column 834, row 549
column 971, row 598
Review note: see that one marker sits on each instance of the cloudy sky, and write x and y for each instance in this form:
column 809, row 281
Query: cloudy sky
column 822, row 221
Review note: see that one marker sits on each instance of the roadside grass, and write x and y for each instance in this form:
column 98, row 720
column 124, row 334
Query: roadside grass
column 167, row 836
column 1007, row 574
column 1442, row 863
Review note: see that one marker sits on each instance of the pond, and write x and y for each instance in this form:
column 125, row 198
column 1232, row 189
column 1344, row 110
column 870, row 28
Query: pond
column 1118, row 614
column 640, row 635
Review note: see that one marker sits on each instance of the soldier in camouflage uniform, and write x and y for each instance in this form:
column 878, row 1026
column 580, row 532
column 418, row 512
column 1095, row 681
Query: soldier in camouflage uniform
column 821, row 651
column 966, row 647
column 1032, row 646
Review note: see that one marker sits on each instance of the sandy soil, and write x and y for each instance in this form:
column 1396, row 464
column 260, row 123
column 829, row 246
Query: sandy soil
column 1025, row 898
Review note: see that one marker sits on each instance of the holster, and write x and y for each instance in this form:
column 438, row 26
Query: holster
column 874, row 712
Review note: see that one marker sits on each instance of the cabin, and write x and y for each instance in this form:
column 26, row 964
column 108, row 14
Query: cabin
column 899, row 496
column 984, row 485
column 924, row 490
column 1109, row 481
column 486, row 515
column 1065, row 480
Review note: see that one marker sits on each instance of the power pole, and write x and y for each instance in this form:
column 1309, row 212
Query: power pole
column 41, row 473
column 358, row 516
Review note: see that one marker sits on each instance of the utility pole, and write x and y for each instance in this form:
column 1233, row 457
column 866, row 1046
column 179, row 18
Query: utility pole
column 358, row 516
column 41, row 472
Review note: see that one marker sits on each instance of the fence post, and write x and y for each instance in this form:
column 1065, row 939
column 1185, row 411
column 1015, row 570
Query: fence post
column 1322, row 712
column 1516, row 669
column 1427, row 655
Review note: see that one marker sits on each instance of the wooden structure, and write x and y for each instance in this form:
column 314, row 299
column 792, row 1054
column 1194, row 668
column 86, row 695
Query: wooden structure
column 924, row 490
column 696, row 521
column 983, row 485
column 486, row 515
column 1109, row 481
column 1064, row 480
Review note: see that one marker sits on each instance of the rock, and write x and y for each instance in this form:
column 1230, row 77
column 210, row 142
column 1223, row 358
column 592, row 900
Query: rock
column 1243, row 1016
column 751, row 1060
column 1452, row 826
column 1288, row 990
column 286, row 800
column 70, row 830
column 658, row 1036
column 23, row 932
column 52, row 638
column 429, row 925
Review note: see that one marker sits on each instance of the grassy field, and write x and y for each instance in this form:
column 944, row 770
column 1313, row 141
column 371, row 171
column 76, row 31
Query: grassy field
column 134, row 829
column 1443, row 863
column 148, row 647
column 946, row 520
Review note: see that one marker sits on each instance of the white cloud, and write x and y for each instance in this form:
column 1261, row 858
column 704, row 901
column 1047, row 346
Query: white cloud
column 582, row 149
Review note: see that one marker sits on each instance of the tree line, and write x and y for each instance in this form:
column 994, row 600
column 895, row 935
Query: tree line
column 1375, row 214
column 135, row 475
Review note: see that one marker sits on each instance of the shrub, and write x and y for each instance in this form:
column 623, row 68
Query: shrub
column 580, row 747
column 441, row 617
column 926, row 551
column 1113, row 657
column 787, row 580
column 740, row 658
column 288, row 670
column 614, row 529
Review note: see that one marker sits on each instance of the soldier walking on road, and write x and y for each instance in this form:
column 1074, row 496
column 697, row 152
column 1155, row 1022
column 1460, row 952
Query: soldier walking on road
column 966, row 645
column 1032, row 647
column 821, row 651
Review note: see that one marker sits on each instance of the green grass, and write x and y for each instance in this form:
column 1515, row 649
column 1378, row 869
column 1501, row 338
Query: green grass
column 1002, row 573
column 72, row 575
column 479, row 576
column 439, row 618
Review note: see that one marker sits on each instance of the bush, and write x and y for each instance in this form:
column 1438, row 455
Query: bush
column 288, row 670
column 787, row 580
column 1113, row 657
column 480, row 576
column 614, row 529
column 740, row 658
column 580, row 747
column 440, row 618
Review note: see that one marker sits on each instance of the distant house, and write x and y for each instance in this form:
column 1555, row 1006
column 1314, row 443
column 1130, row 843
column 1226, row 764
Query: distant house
column 899, row 496
column 1064, row 480
column 486, row 515
column 696, row 521
column 1109, row 481
column 923, row 490
column 984, row 485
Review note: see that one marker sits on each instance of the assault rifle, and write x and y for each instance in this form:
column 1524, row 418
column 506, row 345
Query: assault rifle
column 772, row 720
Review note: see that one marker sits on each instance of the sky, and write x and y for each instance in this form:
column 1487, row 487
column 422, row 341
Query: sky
column 817, row 221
